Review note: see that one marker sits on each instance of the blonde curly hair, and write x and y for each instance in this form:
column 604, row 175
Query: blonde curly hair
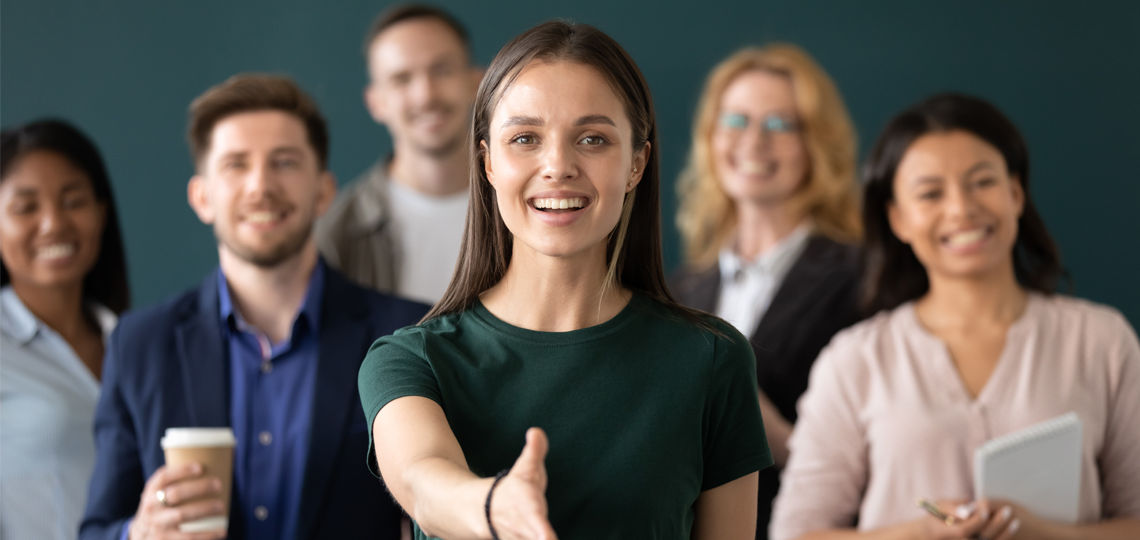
column 829, row 194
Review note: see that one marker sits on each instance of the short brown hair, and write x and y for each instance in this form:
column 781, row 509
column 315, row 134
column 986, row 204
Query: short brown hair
column 246, row 92
column 405, row 12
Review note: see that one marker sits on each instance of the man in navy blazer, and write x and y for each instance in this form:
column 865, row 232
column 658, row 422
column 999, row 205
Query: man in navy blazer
column 268, row 345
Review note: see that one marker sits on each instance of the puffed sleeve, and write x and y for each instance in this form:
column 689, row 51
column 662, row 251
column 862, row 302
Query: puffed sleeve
column 1119, row 466
column 822, row 485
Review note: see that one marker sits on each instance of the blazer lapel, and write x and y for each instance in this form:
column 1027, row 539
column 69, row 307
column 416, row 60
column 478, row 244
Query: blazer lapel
column 202, row 355
column 343, row 336
column 807, row 274
column 700, row 290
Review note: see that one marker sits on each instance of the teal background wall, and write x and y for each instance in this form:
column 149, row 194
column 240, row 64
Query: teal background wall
column 1066, row 72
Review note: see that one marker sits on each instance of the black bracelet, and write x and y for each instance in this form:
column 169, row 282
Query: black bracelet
column 487, row 505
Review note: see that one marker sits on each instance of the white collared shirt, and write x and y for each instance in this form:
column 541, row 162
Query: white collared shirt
column 747, row 287
column 47, row 411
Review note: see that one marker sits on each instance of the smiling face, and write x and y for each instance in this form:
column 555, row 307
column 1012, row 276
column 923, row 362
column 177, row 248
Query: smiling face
column 956, row 205
column 51, row 223
column 757, row 150
column 561, row 159
column 422, row 85
column 261, row 187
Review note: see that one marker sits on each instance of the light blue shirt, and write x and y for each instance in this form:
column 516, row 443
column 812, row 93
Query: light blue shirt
column 47, row 410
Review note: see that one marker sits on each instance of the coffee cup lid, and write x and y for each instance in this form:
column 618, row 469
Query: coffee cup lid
column 186, row 437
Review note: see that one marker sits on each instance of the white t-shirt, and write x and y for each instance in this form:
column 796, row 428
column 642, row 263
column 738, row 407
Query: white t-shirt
column 427, row 231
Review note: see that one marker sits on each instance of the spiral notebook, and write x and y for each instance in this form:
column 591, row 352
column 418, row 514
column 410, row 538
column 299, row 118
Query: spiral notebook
column 1038, row 467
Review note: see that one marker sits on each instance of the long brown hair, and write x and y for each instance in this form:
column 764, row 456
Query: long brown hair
column 829, row 195
column 633, row 250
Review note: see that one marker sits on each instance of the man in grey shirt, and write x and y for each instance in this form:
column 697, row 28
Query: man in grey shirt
column 397, row 228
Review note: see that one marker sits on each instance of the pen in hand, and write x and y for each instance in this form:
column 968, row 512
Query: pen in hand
column 933, row 510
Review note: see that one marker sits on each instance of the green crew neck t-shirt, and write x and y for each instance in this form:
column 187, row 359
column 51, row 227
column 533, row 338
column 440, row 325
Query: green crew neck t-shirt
column 643, row 412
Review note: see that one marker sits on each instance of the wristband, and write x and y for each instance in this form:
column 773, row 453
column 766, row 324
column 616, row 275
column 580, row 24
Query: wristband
column 487, row 505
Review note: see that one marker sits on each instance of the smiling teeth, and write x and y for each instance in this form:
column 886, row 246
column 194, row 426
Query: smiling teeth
column 56, row 251
column 966, row 238
column 261, row 217
column 559, row 204
column 756, row 167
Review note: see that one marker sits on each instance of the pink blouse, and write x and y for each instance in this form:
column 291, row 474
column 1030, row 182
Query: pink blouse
column 887, row 420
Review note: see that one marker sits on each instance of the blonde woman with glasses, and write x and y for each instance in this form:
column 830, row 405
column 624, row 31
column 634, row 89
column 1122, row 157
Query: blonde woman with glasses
column 768, row 214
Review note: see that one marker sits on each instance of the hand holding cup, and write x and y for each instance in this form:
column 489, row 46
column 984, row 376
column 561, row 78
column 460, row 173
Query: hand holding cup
column 189, row 497
column 173, row 495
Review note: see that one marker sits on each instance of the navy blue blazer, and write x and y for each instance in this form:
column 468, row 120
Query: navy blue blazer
column 167, row 366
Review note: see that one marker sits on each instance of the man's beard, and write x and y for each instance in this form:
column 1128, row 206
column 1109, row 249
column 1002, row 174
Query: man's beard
column 273, row 256
column 443, row 148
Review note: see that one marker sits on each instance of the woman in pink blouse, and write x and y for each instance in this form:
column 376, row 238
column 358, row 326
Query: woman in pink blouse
column 969, row 344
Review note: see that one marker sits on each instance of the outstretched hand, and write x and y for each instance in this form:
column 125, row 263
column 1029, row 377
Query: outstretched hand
column 518, row 504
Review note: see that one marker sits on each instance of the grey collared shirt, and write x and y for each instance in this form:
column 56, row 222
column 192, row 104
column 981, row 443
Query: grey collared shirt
column 47, row 409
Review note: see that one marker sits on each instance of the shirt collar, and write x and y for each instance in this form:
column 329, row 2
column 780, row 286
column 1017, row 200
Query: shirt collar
column 371, row 199
column 15, row 319
column 104, row 317
column 310, row 308
column 776, row 261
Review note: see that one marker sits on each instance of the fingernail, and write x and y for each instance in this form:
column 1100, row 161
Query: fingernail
column 196, row 468
column 985, row 513
column 1014, row 526
column 216, row 484
column 1006, row 512
column 965, row 510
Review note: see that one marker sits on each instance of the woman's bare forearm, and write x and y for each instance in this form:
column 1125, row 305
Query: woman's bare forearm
column 447, row 499
column 1116, row 529
column 902, row 531
column 777, row 429
column 425, row 469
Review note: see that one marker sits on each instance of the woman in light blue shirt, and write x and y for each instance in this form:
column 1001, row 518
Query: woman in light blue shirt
column 64, row 281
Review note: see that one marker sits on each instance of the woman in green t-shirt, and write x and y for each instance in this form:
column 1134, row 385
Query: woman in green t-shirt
column 640, row 417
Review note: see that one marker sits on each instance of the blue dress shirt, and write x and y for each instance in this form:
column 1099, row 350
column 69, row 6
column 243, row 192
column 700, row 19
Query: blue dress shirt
column 271, row 402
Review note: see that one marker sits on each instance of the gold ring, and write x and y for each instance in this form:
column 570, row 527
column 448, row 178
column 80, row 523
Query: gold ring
column 161, row 496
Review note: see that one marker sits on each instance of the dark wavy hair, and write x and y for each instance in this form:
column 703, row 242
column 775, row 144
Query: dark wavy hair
column 633, row 251
column 106, row 282
column 892, row 274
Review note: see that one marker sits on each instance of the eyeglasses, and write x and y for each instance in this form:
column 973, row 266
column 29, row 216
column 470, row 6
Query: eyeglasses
column 771, row 123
